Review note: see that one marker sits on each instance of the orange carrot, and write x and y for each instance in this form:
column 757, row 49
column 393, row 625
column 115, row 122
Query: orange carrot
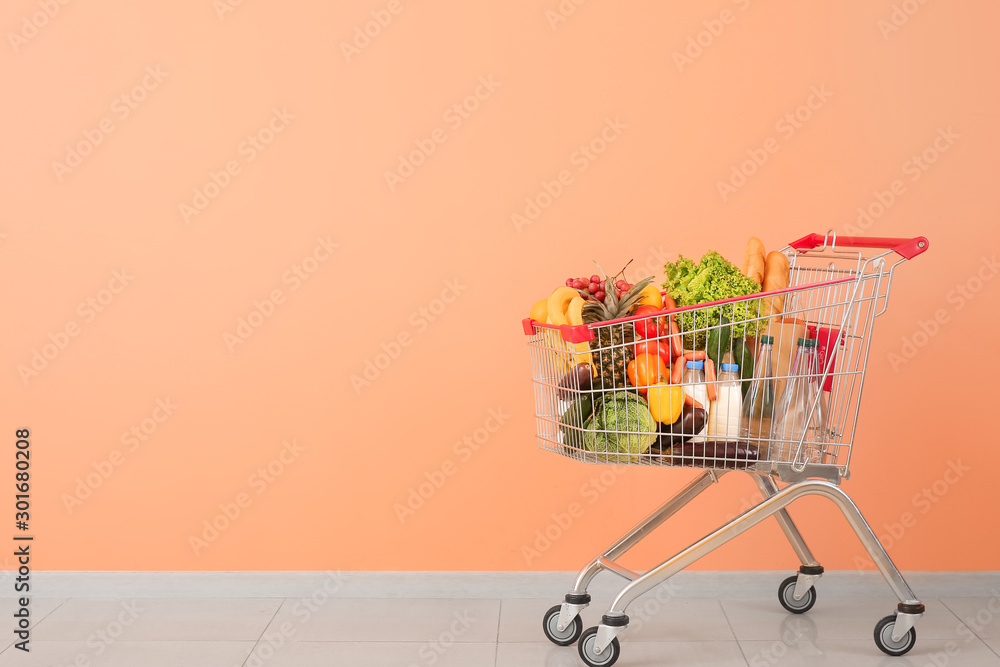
column 668, row 302
column 695, row 355
column 713, row 393
column 676, row 345
column 677, row 371
column 692, row 401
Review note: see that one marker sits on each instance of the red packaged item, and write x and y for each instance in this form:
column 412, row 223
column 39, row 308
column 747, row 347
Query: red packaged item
column 829, row 338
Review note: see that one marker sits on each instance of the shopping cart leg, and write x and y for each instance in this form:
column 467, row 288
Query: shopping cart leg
column 895, row 631
column 578, row 598
column 795, row 593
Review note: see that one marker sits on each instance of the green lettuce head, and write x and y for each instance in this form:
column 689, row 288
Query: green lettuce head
column 712, row 279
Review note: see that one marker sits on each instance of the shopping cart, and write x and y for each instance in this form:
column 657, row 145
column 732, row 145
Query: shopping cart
column 835, row 293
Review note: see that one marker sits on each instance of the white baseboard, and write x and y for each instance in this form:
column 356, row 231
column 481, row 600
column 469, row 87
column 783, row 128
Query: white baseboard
column 543, row 585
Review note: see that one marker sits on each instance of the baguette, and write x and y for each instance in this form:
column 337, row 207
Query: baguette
column 754, row 258
column 776, row 276
column 754, row 247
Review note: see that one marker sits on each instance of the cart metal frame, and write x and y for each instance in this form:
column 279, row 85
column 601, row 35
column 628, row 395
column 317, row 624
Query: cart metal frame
column 894, row 634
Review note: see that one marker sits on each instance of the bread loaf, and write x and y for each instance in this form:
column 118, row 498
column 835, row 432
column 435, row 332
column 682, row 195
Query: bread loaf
column 786, row 334
column 753, row 260
column 776, row 275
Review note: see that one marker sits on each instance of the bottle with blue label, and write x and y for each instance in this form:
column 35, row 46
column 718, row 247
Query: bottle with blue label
column 724, row 416
column 693, row 384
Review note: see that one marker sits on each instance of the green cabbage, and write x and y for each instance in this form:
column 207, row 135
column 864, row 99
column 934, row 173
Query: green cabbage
column 712, row 279
column 621, row 428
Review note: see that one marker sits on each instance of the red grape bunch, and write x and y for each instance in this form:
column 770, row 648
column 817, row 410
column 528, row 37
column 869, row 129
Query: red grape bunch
column 593, row 287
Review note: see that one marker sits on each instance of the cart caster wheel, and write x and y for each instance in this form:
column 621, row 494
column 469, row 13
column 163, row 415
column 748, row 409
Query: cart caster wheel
column 883, row 637
column 788, row 601
column 606, row 659
column 566, row 637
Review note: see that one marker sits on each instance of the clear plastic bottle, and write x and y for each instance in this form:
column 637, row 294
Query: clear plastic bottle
column 824, row 394
column 693, row 384
column 724, row 416
column 800, row 410
column 758, row 405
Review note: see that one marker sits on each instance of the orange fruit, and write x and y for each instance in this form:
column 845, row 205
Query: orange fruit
column 540, row 310
column 650, row 296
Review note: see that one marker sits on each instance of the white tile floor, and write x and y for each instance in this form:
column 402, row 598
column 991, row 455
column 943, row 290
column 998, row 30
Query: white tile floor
column 482, row 632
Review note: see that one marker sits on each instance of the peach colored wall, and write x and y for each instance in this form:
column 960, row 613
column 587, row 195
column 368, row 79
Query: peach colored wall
column 344, row 263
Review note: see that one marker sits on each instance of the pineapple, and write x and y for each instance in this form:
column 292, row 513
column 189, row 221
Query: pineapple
column 612, row 349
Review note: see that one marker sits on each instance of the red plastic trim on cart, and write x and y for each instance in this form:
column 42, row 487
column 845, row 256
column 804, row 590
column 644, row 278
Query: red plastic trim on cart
column 571, row 333
column 907, row 248
column 581, row 333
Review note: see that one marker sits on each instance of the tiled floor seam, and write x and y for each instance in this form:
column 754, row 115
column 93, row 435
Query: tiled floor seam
column 35, row 624
column 961, row 620
column 733, row 630
column 262, row 631
column 496, row 646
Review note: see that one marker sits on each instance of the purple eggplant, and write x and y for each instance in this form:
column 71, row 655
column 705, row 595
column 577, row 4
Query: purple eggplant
column 714, row 454
column 577, row 379
column 688, row 425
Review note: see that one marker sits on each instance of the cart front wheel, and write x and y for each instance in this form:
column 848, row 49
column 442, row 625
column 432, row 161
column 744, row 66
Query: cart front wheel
column 608, row 656
column 550, row 624
column 883, row 637
column 787, row 599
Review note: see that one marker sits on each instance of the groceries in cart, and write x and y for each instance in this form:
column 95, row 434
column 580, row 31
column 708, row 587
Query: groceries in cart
column 705, row 373
column 758, row 369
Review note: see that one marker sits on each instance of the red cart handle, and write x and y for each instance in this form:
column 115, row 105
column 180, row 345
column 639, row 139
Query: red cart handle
column 908, row 248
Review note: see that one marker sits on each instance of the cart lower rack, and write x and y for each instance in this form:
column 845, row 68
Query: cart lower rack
column 793, row 424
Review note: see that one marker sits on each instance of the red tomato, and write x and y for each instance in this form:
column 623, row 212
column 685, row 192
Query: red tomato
column 660, row 348
column 651, row 327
